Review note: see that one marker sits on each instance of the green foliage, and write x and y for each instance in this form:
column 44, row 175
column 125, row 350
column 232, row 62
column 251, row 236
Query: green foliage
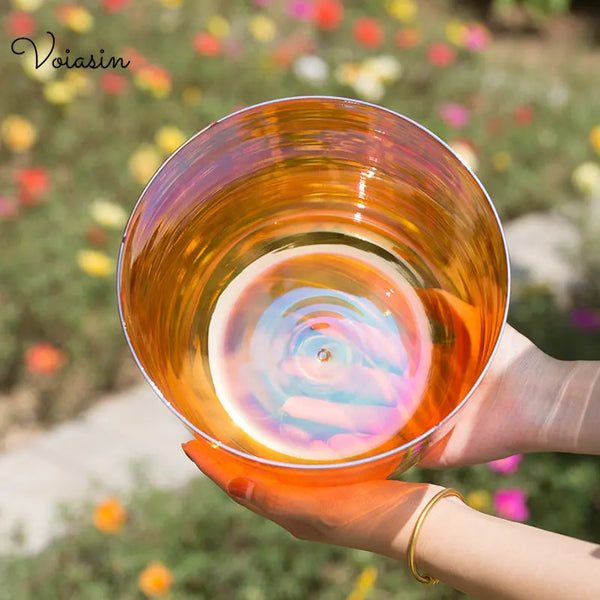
column 214, row 548
column 219, row 550
column 536, row 8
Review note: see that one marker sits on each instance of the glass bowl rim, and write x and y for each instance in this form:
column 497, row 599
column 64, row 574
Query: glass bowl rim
column 215, row 443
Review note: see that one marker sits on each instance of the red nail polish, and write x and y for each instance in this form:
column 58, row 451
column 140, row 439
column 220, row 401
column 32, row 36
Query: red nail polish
column 240, row 487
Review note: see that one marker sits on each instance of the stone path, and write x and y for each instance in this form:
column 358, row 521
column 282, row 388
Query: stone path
column 87, row 458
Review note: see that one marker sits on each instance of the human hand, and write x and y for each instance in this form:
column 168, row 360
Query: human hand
column 377, row 516
column 500, row 418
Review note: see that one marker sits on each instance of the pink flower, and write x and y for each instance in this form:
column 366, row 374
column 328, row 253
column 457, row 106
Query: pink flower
column 300, row 9
column 586, row 319
column 506, row 466
column 510, row 503
column 8, row 208
column 476, row 37
column 454, row 115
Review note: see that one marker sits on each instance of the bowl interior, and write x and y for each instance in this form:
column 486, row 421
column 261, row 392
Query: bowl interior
column 323, row 194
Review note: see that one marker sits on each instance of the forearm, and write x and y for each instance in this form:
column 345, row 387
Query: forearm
column 491, row 558
column 569, row 420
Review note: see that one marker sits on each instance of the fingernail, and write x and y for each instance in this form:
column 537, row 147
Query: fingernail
column 240, row 487
column 183, row 447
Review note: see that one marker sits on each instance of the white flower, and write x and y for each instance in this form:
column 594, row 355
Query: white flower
column 368, row 86
column 386, row 68
column 586, row 178
column 466, row 154
column 311, row 69
column 108, row 214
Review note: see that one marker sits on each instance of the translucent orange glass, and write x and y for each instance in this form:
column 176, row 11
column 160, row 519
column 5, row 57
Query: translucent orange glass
column 315, row 286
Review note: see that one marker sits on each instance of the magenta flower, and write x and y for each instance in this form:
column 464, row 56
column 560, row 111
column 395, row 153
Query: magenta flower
column 300, row 9
column 453, row 114
column 476, row 37
column 506, row 466
column 510, row 503
column 586, row 319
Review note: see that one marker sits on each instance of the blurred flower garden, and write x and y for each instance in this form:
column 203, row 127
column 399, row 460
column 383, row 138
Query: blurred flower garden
column 79, row 144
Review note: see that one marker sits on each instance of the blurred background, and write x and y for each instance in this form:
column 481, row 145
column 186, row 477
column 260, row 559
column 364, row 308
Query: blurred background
column 511, row 85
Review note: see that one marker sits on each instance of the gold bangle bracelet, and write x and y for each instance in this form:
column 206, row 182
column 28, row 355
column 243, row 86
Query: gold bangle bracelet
column 427, row 579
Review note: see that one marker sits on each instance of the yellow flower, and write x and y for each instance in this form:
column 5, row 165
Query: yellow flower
column 169, row 138
column 108, row 214
column 155, row 580
column 501, row 161
column 79, row 19
column 479, row 500
column 78, row 82
column 586, row 178
column 262, row 28
column 385, row 68
column 364, row 583
column 171, row 3
column 143, row 163
column 455, row 32
column 109, row 516
column 58, row 92
column 95, row 263
column 403, row 10
column 44, row 72
column 18, row 133
column 27, row 5
column 218, row 26
column 192, row 95
column 595, row 138
column 347, row 73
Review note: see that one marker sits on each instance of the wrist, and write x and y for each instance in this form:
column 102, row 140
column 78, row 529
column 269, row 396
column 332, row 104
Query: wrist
column 439, row 525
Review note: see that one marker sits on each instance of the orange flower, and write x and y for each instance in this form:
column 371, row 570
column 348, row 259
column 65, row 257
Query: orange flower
column 109, row 516
column 155, row 580
column 327, row 14
column 408, row 38
column 44, row 359
column 207, row 44
column 155, row 79
column 368, row 32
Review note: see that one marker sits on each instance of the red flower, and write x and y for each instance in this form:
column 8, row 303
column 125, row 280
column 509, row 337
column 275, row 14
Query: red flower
column 207, row 44
column 44, row 359
column 327, row 14
column 113, row 84
column 33, row 184
column 20, row 23
column 494, row 126
column 113, row 6
column 441, row 55
column 523, row 115
column 96, row 236
column 408, row 38
column 368, row 32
